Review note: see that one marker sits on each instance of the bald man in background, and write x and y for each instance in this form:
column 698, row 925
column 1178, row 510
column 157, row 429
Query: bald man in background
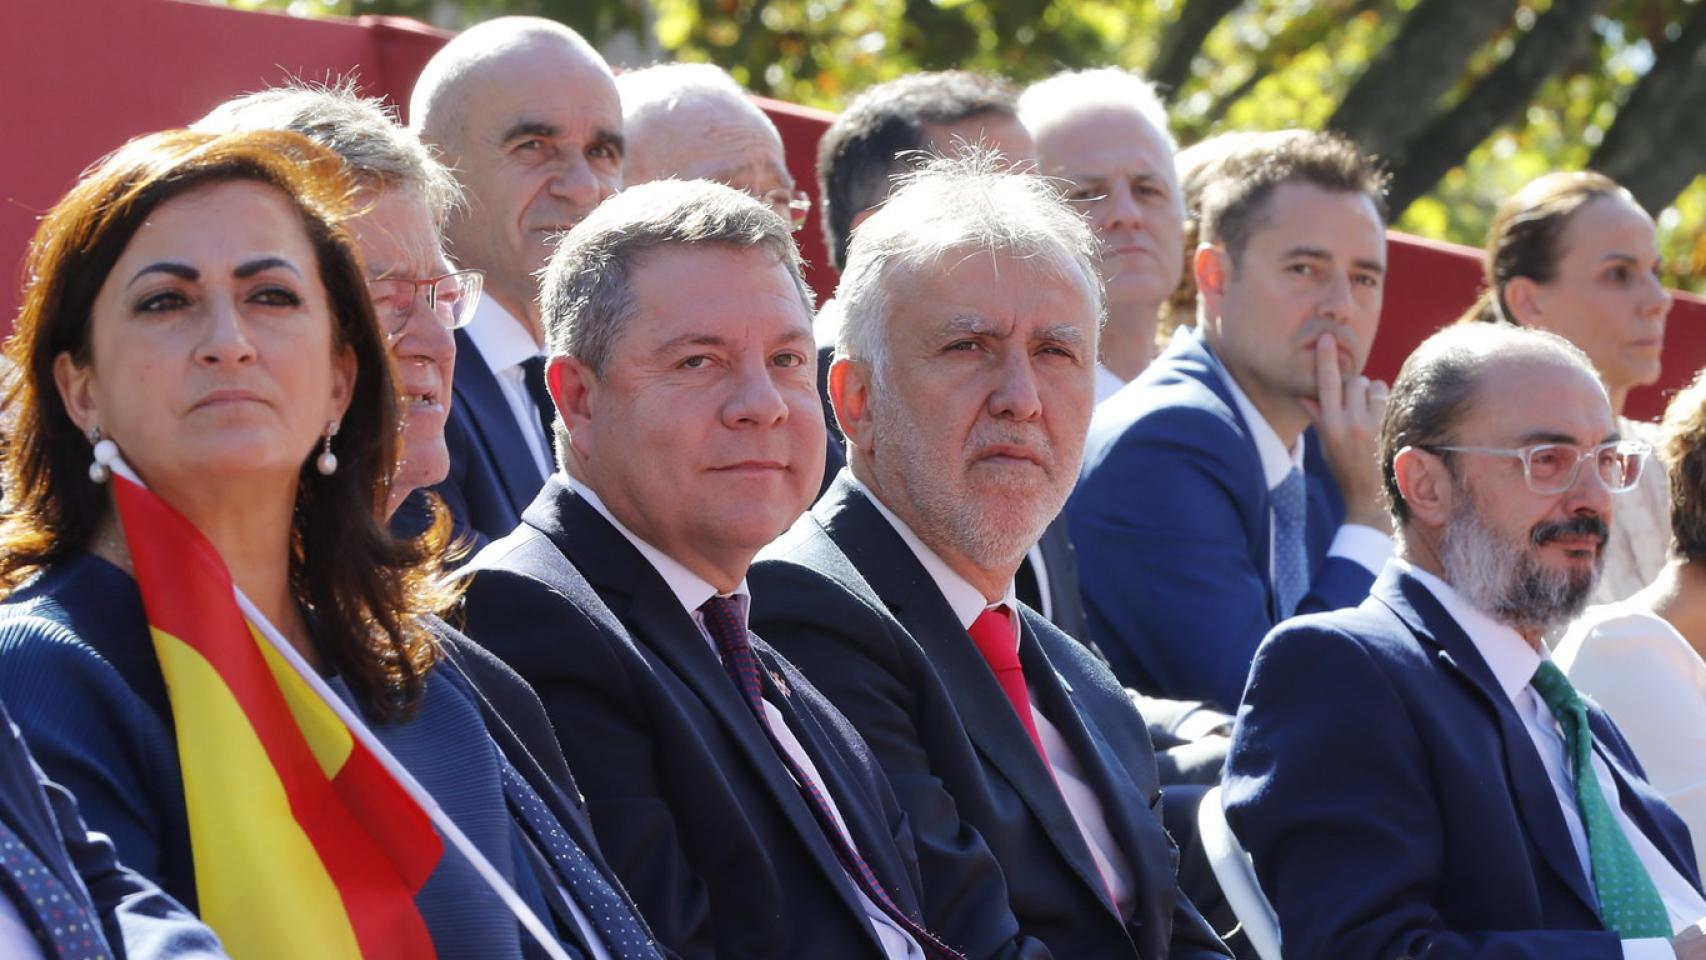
column 525, row 112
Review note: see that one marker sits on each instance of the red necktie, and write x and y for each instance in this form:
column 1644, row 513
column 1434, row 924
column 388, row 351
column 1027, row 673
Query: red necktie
column 993, row 633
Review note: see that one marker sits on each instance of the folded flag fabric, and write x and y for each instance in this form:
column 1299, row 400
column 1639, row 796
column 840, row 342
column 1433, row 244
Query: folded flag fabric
column 304, row 844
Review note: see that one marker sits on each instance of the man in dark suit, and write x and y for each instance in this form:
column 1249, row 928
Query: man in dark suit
column 1209, row 510
column 1414, row 777
column 63, row 892
column 525, row 112
column 739, row 807
column 964, row 380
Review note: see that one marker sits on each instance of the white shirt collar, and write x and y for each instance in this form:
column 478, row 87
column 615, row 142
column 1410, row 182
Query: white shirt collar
column 1512, row 660
column 503, row 341
column 689, row 588
column 1277, row 461
column 964, row 599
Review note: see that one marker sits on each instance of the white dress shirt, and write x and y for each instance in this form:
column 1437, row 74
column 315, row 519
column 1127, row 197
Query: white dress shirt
column 1108, row 383
column 1513, row 663
column 693, row 591
column 1645, row 674
column 1363, row 545
column 16, row 940
column 504, row 343
column 968, row 604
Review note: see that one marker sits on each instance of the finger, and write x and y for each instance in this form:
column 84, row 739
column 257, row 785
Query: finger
column 1329, row 386
column 1378, row 392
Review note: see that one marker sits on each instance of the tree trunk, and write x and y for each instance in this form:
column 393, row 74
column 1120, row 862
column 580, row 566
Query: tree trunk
column 1657, row 144
column 1446, row 140
column 1180, row 43
column 1415, row 69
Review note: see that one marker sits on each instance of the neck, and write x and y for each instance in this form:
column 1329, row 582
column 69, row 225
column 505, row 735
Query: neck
column 1284, row 413
column 1128, row 339
column 1678, row 595
column 1617, row 395
column 991, row 582
column 253, row 542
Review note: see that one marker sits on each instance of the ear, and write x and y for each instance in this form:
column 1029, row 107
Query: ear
column 76, row 386
column 1212, row 266
column 850, row 397
column 343, row 381
column 1524, row 300
column 573, row 386
column 1426, row 485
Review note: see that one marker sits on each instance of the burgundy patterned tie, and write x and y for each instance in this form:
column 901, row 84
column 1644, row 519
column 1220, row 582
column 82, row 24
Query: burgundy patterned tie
column 727, row 627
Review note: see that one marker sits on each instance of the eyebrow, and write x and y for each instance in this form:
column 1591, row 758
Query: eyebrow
column 611, row 139
column 528, row 128
column 1552, row 436
column 184, row 271
column 1060, row 333
column 1318, row 253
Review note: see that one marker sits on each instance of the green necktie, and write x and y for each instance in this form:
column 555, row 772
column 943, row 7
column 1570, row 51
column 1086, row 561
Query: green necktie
column 1629, row 904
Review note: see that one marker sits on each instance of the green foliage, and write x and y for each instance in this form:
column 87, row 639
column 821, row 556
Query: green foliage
column 1269, row 64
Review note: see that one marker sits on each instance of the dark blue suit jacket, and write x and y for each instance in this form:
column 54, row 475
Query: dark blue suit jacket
column 493, row 476
column 1395, row 805
column 1171, row 522
column 691, row 804
column 843, row 596
column 138, row 918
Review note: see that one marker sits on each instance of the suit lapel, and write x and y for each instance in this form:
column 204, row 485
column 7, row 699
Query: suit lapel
column 641, row 599
column 1637, row 804
column 906, row 589
column 1532, row 788
column 477, row 389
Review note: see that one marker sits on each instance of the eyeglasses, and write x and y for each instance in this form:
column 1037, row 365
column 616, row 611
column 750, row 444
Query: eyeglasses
column 1552, row 467
column 451, row 297
column 790, row 205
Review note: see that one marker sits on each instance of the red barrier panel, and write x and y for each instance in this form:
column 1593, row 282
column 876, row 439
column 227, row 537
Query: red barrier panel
column 81, row 76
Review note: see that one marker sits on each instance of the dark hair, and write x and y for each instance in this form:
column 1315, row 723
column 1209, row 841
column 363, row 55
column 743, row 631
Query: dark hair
column 1682, row 444
column 864, row 148
column 365, row 589
column 1438, row 384
column 1526, row 238
column 1235, row 201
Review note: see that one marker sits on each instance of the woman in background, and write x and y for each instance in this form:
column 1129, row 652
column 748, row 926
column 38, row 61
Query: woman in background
column 1574, row 253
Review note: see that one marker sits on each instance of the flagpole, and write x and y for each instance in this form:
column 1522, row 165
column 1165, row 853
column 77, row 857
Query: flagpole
column 411, row 786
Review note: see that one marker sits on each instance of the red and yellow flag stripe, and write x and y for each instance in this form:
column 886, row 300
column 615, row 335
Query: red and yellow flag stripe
column 304, row 845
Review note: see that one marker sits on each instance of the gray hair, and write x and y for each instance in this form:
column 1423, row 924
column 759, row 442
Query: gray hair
column 378, row 153
column 1438, row 385
column 587, row 297
column 660, row 112
column 1052, row 99
column 949, row 204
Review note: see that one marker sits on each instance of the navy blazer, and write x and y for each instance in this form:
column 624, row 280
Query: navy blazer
column 1171, row 521
column 139, row 920
column 1394, row 803
column 843, row 595
column 691, row 804
column 493, row 475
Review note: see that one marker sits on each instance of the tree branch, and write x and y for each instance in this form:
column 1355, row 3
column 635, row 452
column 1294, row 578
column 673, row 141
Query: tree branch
column 1657, row 144
column 1180, row 43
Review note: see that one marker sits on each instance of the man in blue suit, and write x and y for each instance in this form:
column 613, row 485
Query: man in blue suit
column 1414, row 777
column 1233, row 484
column 525, row 112
column 964, row 378
column 63, row 892
column 739, row 807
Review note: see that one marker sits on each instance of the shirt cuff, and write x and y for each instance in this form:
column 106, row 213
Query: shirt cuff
column 1202, row 722
column 1364, row 546
column 1648, row 949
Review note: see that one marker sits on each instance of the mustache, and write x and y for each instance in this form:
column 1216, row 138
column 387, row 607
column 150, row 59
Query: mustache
column 1578, row 526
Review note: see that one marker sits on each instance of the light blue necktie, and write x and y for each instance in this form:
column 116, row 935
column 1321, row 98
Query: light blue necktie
column 1291, row 553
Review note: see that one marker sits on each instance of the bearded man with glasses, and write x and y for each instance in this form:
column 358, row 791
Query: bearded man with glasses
column 1414, row 776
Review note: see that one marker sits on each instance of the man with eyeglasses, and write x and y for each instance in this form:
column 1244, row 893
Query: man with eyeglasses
column 1414, row 777
column 691, row 121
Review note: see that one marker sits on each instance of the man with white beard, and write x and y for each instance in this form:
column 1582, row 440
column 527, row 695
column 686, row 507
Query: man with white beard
column 1414, row 777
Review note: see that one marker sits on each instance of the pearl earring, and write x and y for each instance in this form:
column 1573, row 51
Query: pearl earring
column 327, row 461
column 106, row 451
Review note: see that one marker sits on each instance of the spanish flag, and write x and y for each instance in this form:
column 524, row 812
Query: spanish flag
column 304, row 844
